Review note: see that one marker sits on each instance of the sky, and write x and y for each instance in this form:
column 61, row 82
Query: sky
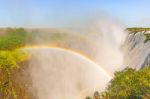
column 58, row 13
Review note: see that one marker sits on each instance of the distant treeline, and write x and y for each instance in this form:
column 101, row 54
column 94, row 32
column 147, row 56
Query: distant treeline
column 138, row 29
column 13, row 38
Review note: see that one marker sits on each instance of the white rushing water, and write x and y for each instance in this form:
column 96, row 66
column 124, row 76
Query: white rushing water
column 108, row 35
column 136, row 50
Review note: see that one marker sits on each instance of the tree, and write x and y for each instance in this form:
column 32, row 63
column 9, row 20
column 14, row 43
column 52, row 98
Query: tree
column 9, row 61
column 128, row 84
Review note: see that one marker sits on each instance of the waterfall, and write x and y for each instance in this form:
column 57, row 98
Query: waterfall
column 137, row 51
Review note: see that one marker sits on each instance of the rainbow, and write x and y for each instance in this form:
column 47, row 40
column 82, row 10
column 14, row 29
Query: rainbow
column 78, row 54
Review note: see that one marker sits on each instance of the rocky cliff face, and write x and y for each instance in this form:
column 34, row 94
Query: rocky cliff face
column 136, row 50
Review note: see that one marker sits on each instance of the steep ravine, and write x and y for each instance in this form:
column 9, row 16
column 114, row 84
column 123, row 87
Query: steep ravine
column 136, row 50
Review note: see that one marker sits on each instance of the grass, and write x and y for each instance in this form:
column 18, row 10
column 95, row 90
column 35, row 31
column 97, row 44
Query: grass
column 137, row 29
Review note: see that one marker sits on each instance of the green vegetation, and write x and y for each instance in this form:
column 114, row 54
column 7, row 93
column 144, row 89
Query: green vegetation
column 147, row 36
column 127, row 84
column 11, row 59
column 13, row 38
column 137, row 29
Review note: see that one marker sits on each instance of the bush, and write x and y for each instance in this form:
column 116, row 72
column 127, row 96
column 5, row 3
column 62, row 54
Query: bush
column 9, row 61
column 128, row 84
column 14, row 38
column 147, row 36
